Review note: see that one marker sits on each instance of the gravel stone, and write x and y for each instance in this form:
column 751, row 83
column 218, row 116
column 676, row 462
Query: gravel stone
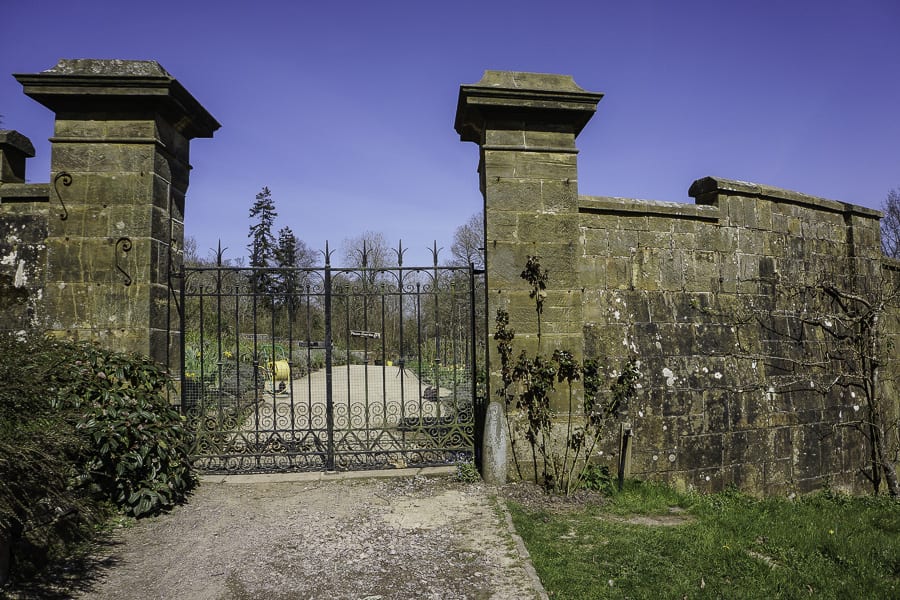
column 357, row 538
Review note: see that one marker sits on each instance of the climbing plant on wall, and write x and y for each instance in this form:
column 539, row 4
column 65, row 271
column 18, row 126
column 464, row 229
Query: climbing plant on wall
column 528, row 383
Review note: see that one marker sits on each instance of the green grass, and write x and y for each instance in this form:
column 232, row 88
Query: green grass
column 729, row 546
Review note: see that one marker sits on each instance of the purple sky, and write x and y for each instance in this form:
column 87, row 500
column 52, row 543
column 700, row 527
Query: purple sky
column 345, row 109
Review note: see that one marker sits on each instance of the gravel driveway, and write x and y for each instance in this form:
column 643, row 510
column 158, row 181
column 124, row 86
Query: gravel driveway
column 414, row 534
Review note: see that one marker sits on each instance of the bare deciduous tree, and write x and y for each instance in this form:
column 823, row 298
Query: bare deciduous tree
column 468, row 242
column 890, row 224
column 368, row 250
column 827, row 339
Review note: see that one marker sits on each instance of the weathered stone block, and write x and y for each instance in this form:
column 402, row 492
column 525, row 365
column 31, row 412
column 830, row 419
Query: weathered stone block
column 671, row 271
column 619, row 273
column 778, row 476
column 606, row 340
column 560, row 196
column 715, row 239
column 682, row 227
column 547, row 166
column 623, row 243
column 501, row 226
column 562, row 140
column 763, row 214
column 499, row 164
column 749, row 241
column 702, row 451
column 654, row 239
column 702, row 271
column 509, row 194
column 596, row 241
column 660, row 224
column 633, row 223
column 539, row 227
column 503, row 137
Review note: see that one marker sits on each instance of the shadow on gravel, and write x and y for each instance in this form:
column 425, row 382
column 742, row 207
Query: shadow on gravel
column 77, row 575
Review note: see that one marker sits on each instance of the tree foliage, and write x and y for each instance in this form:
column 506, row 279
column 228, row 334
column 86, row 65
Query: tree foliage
column 81, row 427
column 291, row 255
column 262, row 245
column 292, row 252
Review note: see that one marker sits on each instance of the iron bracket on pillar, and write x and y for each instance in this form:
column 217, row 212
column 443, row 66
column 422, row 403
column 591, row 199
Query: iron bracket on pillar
column 123, row 245
column 66, row 180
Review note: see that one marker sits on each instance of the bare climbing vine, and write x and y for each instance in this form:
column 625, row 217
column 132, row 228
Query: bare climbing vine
column 528, row 383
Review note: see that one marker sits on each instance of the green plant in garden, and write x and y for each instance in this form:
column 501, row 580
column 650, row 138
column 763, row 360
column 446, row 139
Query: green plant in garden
column 537, row 277
column 527, row 385
column 504, row 337
column 40, row 456
column 467, row 472
column 81, row 427
column 139, row 443
column 534, row 377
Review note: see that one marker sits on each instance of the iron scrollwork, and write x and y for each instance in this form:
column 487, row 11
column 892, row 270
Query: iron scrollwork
column 66, row 179
column 123, row 245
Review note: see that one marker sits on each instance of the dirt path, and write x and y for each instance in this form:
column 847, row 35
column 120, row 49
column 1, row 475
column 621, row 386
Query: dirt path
column 322, row 536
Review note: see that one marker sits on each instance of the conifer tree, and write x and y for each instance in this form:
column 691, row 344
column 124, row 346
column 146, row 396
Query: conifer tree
column 291, row 254
column 262, row 242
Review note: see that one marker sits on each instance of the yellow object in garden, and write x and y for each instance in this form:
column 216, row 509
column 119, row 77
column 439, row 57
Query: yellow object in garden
column 390, row 363
column 281, row 370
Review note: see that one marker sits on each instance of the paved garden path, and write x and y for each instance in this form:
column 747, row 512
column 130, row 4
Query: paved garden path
column 364, row 396
column 412, row 534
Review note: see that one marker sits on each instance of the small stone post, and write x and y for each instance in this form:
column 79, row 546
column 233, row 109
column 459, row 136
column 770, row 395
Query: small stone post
column 525, row 125
column 15, row 148
column 119, row 174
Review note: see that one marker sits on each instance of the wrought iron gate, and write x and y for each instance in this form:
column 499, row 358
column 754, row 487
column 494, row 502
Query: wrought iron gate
column 329, row 368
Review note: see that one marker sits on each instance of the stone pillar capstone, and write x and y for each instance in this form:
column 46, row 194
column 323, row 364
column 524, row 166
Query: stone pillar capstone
column 119, row 174
column 525, row 125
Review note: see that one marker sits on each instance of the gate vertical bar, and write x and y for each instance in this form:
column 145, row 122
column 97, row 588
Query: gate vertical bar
column 477, row 421
column 402, row 356
column 219, row 362
column 182, row 318
column 329, row 401
column 256, row 372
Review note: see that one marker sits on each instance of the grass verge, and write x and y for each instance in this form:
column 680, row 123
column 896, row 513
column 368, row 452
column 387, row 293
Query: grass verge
column 649, row 541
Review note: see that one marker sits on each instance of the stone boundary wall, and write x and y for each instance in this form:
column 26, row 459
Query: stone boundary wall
column 674, row 284
column 708, row 296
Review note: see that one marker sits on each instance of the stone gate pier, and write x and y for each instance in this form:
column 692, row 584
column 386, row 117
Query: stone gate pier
column 89, row 254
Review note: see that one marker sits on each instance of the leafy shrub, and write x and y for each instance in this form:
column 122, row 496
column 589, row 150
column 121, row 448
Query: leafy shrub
column 81, row 427
column 527, row 384
column 467, row 472
column 139, row 458
column 78, row 417
column 597, row 478
column 40, row 456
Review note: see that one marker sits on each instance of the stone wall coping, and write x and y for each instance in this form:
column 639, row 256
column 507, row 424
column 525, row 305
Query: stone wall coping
column 24, row 192
column 634, row 206
column 119, row 86
column 13, row 140
column 114, row 67
column 707, row 189
column 509, row 96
